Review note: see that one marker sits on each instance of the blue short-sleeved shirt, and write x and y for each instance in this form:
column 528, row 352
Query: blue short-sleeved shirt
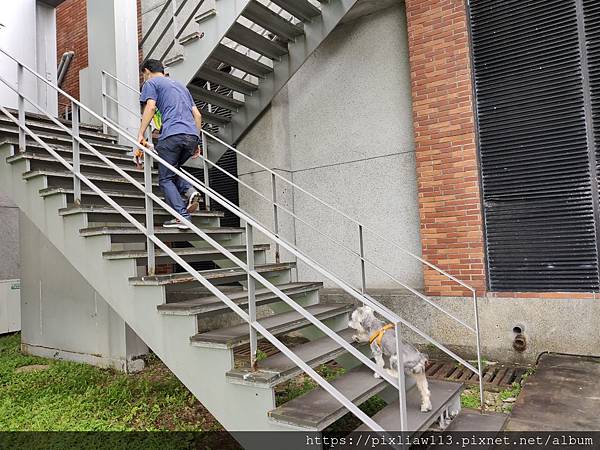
column 175, row 104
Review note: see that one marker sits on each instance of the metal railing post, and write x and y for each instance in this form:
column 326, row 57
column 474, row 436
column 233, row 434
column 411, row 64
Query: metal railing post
column 275, row 215
column 478, row 339
column 151, row 265
column 251, row 293
column 363, row 272
column 401, row 382
column 76, row 155
column 21, row 106
column 176, row 28
column 104, row 103
column 205, row 167
column 149, row 137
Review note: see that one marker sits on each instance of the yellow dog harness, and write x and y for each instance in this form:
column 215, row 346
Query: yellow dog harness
column 379, row 334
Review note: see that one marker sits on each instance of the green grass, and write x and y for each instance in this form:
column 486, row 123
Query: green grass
column 303, row 383
column 76, row 397
column 470, row 399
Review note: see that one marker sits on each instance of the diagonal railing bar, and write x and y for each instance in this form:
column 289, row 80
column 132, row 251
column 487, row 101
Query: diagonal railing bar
column 341, row 213
column 155, row 23
column 346, row 216
column 364, row 261
column 214, row 290
column 361, row 227
column 172, row 21
column 150, row 235
column 337, row 242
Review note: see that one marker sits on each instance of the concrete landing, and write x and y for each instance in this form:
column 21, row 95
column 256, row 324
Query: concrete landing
column 562, row 395
column 473, row 420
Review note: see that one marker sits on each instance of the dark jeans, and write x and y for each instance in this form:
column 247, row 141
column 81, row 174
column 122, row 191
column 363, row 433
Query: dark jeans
column 175, row 150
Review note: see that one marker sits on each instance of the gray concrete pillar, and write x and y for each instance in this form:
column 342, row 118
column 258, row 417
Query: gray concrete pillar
column 113, row 47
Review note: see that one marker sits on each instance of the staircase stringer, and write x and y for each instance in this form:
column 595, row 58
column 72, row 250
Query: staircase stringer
column 315, row 32
column 199, row 369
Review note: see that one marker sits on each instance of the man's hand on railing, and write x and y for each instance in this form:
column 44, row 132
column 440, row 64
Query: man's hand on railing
column 138, row 155
column 197, row 153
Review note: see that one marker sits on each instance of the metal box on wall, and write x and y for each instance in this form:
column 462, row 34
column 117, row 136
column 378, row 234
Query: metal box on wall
column 10, row 306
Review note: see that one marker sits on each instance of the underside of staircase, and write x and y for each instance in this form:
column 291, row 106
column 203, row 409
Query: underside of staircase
column 236, row 55
column 178, row 318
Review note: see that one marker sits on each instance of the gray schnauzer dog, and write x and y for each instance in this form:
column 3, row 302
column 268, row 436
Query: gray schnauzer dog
column 383, row 342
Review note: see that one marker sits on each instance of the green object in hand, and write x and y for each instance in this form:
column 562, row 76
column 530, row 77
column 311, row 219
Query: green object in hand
column 157, row 119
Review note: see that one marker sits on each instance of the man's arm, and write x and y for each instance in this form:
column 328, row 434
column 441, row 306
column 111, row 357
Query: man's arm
column 149, row 111
column 198, row 120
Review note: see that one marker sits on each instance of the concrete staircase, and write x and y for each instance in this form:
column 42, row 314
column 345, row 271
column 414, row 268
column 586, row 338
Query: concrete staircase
column 236, row 55
column 189, row 329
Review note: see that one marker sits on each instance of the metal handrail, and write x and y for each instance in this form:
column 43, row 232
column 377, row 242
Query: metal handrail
column 327, row 205
column 360, row 225
column 253, row 275
column 361, row 255
column 172, row 22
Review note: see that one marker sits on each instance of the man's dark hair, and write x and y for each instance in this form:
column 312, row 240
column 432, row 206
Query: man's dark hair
column 153, row 65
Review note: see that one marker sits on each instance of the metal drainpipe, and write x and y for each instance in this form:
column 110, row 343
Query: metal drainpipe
column 63, row 67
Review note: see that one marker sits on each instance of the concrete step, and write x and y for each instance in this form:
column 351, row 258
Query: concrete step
column 106, row 214
column 226, row 80
column 301, row 9
column 214, row 98
column 7, row 130
column 472, row 420
column 43, row 162
column 248, row 38
column 214, row 119
column 42, row 118
column 55, row 178
column 279, row 368
column 236, row 59
column 216, row 276
column 127, row 234
column 211, row 304
column 66, row 149
column 190, row 37
column 276, row 324
column 318, row 409
column 443, row 394
column 191, row 254
column 46, row 125
column 270, row 20
column 89, row 197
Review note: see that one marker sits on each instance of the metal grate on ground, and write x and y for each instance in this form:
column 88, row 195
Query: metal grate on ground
column 495, row 378
column 243, row 352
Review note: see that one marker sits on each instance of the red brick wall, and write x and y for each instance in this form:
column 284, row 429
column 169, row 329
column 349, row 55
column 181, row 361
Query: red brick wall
column 448, row 183
column 71, row 35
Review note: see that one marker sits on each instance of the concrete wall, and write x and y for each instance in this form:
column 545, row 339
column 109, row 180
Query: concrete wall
column 561, row 325
column 9, row 240
column 29, row 34
column 342, row 129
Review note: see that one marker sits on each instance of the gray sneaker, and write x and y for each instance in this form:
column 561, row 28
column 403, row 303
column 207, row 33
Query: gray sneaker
column 175, row 223
column 194, row 200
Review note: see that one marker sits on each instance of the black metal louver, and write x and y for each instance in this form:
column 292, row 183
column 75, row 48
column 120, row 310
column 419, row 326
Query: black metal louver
column 224, row 185
column 591, row 9
column 539, row 191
